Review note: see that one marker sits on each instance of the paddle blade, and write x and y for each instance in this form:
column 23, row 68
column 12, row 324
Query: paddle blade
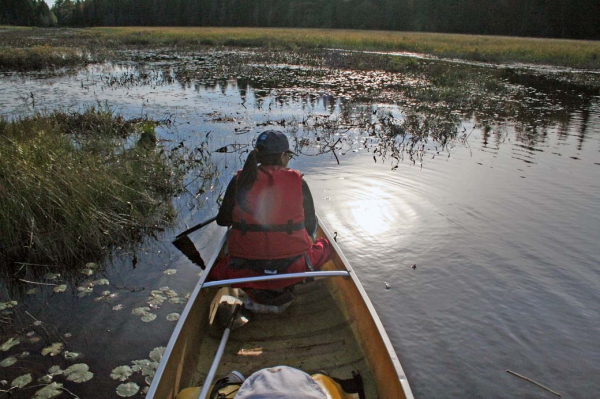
column 187, row 247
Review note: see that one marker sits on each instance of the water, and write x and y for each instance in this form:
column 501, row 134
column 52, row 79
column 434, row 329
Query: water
column 489, row 247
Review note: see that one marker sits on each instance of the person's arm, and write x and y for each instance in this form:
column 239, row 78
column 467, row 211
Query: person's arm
column 225, row 215
column 310, row 217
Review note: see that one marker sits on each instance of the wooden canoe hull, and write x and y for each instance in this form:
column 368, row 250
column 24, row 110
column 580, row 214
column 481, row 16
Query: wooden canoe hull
column 331, row 326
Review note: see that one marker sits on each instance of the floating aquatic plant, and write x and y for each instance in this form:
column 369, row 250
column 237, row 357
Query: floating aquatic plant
column 173, row 316
column 21, row 381
column 140, row 311
column 31, row 291
column 91, row 265
column 49, row 391
column 157, row 353
column 60, row 288
column 78, row 373
column 121, row 373
column 102, row 281
column 71, row 355
column 87, row 272
column 128, row 389
column 150, row 369
column 55, row 370
column 9, row 344
column 117, row 307
column 148, row 317
column 45, row 379
column 9, row 361
column 52, row 276
column 53, row 349
column 170, row 272
column 176, row 300
column 8, row 305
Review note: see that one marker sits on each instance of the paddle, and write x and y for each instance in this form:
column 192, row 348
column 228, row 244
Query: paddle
column 183, row 243
column 228, row 309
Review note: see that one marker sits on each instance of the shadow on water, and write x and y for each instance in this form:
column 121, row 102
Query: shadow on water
column 335, row 105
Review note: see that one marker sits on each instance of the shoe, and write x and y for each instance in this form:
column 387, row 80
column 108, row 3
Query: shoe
column 235, row 377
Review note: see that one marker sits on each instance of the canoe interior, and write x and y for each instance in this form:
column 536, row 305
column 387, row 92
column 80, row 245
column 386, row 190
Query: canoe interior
column 327, row 328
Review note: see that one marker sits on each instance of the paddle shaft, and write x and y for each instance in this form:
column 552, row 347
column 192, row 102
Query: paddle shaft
column 215, row 365
column 196, row 227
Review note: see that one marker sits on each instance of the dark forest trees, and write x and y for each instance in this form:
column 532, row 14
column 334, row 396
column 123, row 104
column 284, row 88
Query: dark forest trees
column 26, row 13
column 576, row 19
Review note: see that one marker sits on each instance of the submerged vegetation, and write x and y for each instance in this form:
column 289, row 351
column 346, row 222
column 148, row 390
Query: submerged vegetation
column 75, row 185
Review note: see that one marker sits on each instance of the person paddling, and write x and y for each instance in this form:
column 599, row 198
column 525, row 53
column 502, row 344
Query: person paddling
column 270, row 210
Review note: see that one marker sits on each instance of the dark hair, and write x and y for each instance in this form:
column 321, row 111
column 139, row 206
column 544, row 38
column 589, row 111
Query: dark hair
column 249, row 174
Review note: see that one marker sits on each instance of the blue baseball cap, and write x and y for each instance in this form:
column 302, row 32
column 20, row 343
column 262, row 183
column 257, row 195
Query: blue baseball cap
column 273, row 142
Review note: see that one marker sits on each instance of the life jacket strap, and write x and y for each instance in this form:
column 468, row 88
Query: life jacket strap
column 289, row 227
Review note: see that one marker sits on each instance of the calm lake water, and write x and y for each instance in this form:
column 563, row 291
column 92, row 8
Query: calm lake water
column 502, row 226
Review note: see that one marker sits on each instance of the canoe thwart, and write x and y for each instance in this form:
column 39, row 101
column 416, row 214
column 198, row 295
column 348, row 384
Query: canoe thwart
column 244, row 280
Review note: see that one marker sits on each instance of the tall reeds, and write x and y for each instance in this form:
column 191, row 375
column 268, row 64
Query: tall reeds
column 72, row 186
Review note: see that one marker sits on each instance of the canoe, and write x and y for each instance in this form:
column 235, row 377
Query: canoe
column 331, row 326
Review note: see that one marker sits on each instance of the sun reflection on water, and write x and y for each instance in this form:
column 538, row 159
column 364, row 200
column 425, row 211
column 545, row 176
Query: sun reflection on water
column 378, row 211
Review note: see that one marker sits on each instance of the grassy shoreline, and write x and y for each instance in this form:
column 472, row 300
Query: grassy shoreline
column 577, row 54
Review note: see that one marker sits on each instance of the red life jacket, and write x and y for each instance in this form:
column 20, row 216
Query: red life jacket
column 270, row 224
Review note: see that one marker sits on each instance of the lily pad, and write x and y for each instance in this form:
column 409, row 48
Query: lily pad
column 55, row 370
column 177, row 300
column 52, row 276
column 53, row 349
column 21, row 381
column 87, row 272
column 91, row 265
column 173, row 316
column 121, row 373
column 45, row 379
column 148, row 317
column 31, row 291
column 156, row 300
column 102, row 281
column 127, row 390
column 49, row 391
column 9, row 344
column 60, row 288
column 71, row 355
column 150, row 369
column 139, row 364
column 157, row 353
column 8, row 305
column 170, row 272
column 140, row 311
column 79, row 373
column 9, row 361
column 117, row 307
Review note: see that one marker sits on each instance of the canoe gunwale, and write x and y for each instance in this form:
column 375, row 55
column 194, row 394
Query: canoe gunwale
column 375, row 317
column 182, row 320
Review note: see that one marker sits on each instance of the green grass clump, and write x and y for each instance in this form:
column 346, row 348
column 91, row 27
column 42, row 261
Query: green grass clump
column 76, row 185
column 41, row 57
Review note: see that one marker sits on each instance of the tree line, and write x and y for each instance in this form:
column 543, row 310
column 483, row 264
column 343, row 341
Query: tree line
column 575, row 19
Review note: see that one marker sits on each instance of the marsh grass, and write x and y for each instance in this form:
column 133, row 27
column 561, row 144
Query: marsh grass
column 494, row 49
column 570, row 53
column 42, row 57
column 75, row 185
